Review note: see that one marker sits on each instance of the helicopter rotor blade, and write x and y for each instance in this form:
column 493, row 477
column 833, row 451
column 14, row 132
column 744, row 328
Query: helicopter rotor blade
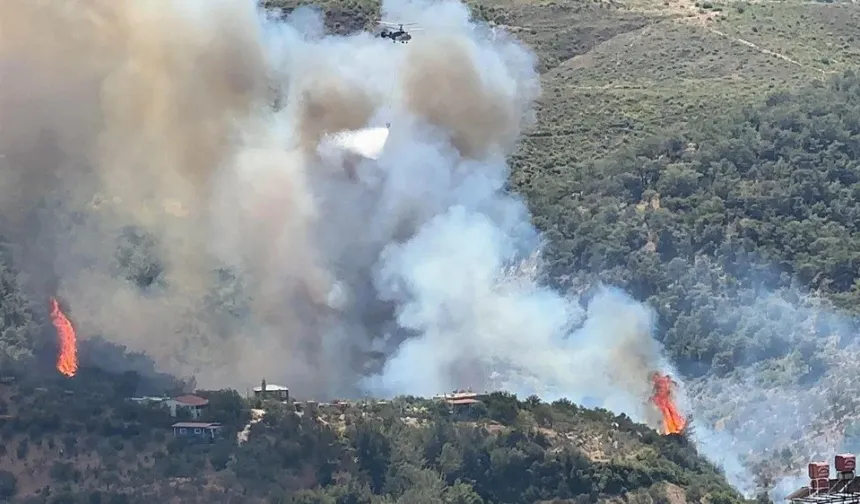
column 391, row 23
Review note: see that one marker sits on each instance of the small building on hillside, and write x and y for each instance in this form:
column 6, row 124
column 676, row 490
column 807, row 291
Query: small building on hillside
column 148, row 400
column 191, row 403
column 460, row 399
column 458, row 394
column 203, row 430
column 462, row 404
column 269, row 391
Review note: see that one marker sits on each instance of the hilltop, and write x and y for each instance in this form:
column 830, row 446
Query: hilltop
column 80, row 440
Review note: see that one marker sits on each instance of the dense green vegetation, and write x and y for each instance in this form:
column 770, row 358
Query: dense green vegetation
column 80, row 441
column 762, row 198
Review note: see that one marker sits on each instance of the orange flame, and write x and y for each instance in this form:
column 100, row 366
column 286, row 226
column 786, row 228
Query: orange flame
column 67, row 361
column 673, row 422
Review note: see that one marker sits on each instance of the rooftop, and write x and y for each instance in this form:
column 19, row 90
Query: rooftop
column 197, row 425
column 842, row 491
column 270, row 388
column 191, row 400
column 458, row 394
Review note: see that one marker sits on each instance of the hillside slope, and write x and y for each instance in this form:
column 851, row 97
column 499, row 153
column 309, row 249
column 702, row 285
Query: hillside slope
column 80, row 441
column 703, row 156
column 708, row 163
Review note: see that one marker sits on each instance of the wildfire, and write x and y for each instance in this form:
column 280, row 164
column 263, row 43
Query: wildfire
column 67, row 360
column 673, row 421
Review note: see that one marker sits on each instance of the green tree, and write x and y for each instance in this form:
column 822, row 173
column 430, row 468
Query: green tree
column 502, row 407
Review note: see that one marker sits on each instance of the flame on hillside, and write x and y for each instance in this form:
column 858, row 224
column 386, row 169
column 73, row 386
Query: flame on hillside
column 663, row 398
column 67, row 360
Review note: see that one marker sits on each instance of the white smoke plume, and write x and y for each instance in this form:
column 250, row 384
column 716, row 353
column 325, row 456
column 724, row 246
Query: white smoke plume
column 785, row 400
column 254, row 241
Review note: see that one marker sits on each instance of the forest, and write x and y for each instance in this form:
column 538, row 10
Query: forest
column 759, row 200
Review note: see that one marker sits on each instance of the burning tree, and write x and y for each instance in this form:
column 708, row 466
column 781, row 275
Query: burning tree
column 663, row 398
column 67, row 360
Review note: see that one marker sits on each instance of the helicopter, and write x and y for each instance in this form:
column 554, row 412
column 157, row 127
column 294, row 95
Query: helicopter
column 398, row 35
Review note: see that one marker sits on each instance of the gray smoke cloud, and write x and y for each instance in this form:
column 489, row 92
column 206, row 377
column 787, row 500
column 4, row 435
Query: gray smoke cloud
column 191, row 143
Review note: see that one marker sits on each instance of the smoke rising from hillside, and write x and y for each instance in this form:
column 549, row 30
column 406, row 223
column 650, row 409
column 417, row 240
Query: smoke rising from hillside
column 167, row 172
column 162, row 174
column 790, row 403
